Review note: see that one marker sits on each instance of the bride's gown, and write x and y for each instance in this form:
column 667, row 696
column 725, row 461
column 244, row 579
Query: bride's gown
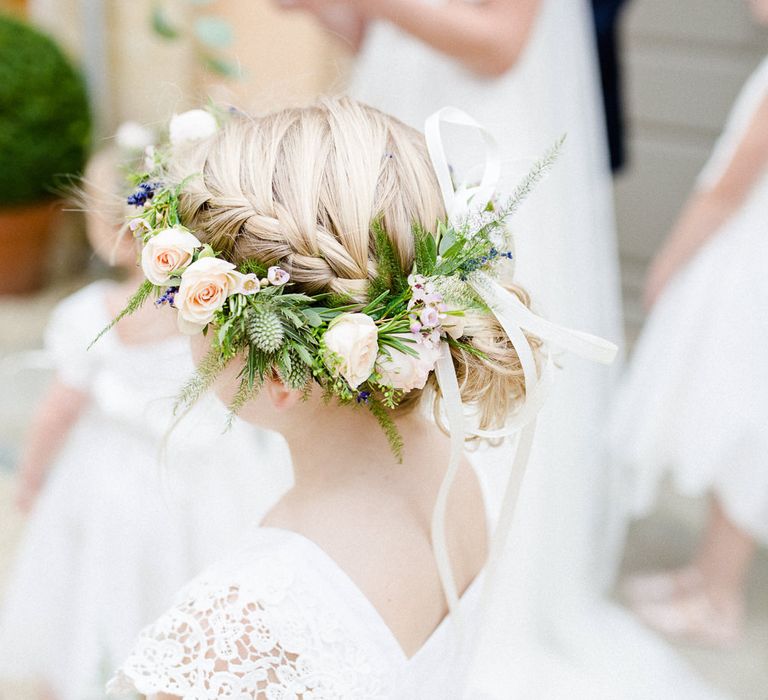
column 567, row 534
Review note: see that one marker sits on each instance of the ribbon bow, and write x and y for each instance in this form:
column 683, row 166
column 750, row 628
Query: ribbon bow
column 515, row 318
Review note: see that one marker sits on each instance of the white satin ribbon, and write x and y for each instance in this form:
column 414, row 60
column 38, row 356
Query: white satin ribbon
column 515, row 318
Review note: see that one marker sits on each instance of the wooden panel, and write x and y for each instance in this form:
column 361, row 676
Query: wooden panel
column 685, row 63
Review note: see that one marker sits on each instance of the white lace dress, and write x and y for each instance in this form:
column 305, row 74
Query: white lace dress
column 279, row 621
column 114, row 533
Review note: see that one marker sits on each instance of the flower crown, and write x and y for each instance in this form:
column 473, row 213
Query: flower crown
column 371, row 353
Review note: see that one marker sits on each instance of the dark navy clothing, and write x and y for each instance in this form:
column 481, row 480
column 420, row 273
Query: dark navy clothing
column 606, row 14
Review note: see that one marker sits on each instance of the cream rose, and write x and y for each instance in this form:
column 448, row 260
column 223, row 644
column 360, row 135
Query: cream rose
column 406, row 372
column 191, row 126
column 167, row 252
column 205, row 286
column 352, row 345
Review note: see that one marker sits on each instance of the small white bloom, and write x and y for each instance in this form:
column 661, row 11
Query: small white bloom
column 150, row 163
column 167, row 252
column 205, row 286
column 352, row 345
column 191, row 126
column 277, row 276
column 133, row 137
column 247, row 284
column 406, row 372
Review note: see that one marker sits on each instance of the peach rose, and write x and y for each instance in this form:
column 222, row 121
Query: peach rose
column 352, row 344
column 167, row 252
column 205, row 286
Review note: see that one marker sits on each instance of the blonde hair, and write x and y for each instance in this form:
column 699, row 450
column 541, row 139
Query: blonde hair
column 301, row 187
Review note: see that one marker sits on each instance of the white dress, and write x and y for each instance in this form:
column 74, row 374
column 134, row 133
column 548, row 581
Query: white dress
column 280, row 620
column 552, row 636
column 565, row 246
column 114, row 533
column 695, row 401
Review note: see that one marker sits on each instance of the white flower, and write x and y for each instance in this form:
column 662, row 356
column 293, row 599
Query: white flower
column 247, row 284
column 150, row 162
column 405, row 372
column 205, row 286
column 277, row 276
column 133, row 137
column 454, row 326
column 167, row 252
column 429, row 317
column 191, row 126
column 352, row 345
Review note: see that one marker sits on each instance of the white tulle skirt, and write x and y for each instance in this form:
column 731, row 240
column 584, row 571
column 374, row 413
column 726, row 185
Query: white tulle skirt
column 114, row 535
column 695, row 401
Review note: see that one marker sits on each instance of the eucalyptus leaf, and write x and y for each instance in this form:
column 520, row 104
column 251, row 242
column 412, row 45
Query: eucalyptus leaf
column 162, row 25
column 313, row 318
column 214, row 31
column 222, row 67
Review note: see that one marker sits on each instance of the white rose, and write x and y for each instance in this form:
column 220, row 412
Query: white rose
column 352, row 344
column 194, row 125
column 167, row 252
column 133, row 137
column 405, row 372
column 205, row 286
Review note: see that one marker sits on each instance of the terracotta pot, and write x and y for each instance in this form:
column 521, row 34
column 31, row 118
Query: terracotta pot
column 24, row 237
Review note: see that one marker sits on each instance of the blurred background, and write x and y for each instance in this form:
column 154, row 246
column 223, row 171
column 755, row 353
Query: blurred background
column 684, row 63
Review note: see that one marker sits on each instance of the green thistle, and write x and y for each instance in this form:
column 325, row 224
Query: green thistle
column 294, row 371
column 265, row 330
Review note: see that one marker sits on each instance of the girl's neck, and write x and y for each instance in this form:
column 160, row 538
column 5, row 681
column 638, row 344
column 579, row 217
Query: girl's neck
column 335, row 445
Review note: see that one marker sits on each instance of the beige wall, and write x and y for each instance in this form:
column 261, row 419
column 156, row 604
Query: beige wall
column 685, row 63
column 285, row 57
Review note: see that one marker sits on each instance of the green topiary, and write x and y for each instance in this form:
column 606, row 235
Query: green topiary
column 45, row 121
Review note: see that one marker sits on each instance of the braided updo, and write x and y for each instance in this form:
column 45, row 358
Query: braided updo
column 301, row 187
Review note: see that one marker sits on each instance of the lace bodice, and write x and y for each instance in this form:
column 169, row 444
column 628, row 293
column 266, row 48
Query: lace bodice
column 281, row 621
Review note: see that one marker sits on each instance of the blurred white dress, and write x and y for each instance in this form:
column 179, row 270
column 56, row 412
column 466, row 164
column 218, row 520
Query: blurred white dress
column 114, row 533
column 548, row 633
column 696, row 397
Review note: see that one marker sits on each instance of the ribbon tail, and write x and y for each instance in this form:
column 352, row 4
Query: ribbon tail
column 449, row 387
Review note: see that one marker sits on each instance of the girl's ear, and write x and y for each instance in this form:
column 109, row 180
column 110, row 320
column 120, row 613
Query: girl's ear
column 281, row 396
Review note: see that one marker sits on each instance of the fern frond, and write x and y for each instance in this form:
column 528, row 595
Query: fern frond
column 540, row 168
column 384, row 419
column 245, row 392
column 202, row 380
column 389, row 272
column 424, row 250
column 133, row 305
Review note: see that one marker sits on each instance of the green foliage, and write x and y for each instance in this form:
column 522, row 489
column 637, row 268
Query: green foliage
column 133, row 305
column 202, row 380
column 424, row 251
column 389, row 270
column 209, row 35
column 45, row 123
column 380, row 412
